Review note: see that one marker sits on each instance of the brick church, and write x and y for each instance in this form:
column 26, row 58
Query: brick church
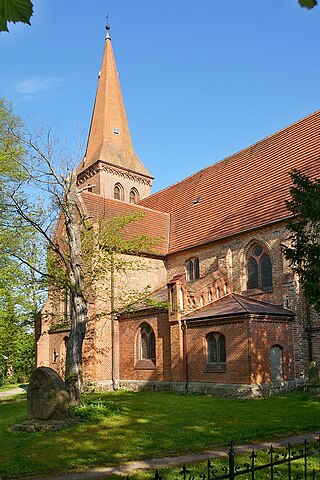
column 233, row 319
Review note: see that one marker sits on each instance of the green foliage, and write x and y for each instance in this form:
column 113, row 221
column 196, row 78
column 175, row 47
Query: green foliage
column 15, row 11
column 19, row 289
column 95, row 411
column 304, row 253
column 308, row 3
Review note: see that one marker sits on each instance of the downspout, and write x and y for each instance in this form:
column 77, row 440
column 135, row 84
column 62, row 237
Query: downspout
column 185, row 341
column 309, row 331
column 112, row 305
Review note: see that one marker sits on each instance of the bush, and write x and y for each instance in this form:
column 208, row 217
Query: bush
column 94, row 411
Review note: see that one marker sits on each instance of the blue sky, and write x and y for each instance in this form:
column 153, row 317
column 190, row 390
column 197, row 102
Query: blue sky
column 201, row 79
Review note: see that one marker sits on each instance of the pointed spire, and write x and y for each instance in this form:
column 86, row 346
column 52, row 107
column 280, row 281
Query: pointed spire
column 109, row 136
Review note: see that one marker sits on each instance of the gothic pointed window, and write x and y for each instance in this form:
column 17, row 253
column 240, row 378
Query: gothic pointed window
column 147, row 343
column 259, row 268
column 118, row 191
column 192, row 269
column 134, row 195
column 216, row 348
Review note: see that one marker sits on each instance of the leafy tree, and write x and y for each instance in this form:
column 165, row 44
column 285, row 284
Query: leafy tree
column 19, row 298
column 304, row 253
column 308, row 3
column 22, row 10
column 15, row 11
column 81, row 251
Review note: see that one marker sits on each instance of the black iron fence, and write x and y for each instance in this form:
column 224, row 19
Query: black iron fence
column 291, row 463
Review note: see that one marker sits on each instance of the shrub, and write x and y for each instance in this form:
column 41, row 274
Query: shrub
column 94, row 411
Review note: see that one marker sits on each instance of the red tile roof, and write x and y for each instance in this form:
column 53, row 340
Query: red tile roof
column 242, row 192
column 155, row 224
column 235, row 304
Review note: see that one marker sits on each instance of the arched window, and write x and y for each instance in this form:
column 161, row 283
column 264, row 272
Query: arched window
column 118, row 191
column 216, row 348
column 146, row 343
column 192, row 269
column 134, row 195
column 259, row 268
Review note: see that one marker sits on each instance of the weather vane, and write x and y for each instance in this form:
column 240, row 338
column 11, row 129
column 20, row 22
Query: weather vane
column 107, row 26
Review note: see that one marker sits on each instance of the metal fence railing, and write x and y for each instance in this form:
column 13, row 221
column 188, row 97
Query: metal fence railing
column 291, row 463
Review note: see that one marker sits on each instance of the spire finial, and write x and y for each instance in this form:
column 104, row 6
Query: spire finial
column 108, row 28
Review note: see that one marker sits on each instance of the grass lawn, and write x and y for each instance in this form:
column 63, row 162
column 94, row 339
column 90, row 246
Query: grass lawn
column 151, row 425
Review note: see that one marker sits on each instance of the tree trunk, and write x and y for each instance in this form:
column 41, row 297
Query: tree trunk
column 78, row 302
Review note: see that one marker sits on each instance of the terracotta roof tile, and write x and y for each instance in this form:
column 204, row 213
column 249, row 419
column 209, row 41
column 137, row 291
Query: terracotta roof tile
column 156, row 224
column 242, row 192
column 235, row 304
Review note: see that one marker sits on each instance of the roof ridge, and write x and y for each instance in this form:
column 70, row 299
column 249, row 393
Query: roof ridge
column 132, row 205
column 225, row 159
column 235, row 296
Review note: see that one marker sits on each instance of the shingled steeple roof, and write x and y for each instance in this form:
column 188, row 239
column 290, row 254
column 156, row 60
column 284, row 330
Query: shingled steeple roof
column 109, row 136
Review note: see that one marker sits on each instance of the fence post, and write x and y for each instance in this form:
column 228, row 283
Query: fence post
column 305, row 452
column 253, row 457
column 289, row 461
column 231, row 461
column 271, row 462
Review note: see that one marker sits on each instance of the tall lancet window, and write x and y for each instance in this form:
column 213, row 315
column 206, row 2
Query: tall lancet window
column 259, row 268
column 134, row 195
column 118, row 191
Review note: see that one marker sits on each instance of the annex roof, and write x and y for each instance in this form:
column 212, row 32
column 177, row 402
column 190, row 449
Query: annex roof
column 152, row 223
column 235, row 304
column 242, row 192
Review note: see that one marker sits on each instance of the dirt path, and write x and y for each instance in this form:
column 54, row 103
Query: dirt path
column 12, row 391
column 153, row 464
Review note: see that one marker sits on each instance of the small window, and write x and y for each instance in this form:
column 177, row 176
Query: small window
column 118, row 191
column 259, row 268
column 192, row 269
column 216, row 347
column 116, row 131
column 134, row 195
column 55, row 356
column 181, row 302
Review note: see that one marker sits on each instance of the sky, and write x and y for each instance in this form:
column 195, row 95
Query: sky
column 201, row 79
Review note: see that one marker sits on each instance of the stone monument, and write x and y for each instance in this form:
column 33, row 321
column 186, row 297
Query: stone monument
column 48, row 402
column 48, row 396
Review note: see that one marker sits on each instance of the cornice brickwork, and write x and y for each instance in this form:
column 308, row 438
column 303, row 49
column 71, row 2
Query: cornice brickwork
column 97, row 167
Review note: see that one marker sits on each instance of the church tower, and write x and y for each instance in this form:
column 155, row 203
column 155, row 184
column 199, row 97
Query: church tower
column 110, row 166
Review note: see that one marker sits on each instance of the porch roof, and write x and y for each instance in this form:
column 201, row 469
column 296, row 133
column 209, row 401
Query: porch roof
column 235, row 304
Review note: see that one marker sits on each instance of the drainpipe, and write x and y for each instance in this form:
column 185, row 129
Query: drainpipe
column 309, row 331
column 185, row 341
column 112, row 305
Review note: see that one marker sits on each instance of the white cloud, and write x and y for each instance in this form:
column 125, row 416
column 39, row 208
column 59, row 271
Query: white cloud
column 39, row 84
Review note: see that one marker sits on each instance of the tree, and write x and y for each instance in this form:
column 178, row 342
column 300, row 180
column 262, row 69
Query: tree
column 81, row 251
column 15, row 11
column 304, row 253
column 308, row 3
column 19, row 295
column 22, row 11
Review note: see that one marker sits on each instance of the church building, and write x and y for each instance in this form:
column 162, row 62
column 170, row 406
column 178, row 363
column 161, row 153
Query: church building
column 229, row 316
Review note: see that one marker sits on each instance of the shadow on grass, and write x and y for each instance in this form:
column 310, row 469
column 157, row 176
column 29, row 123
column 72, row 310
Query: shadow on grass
column 151, row 425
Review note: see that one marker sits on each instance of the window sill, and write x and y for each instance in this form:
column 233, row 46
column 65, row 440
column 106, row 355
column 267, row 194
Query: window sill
column 215, row 368
column 145, row 364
